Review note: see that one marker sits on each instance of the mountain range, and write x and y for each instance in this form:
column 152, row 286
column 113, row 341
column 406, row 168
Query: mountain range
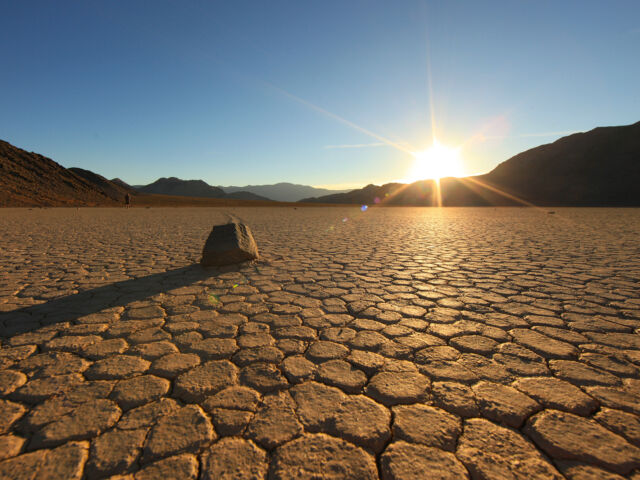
column 284, row 192
column 596, row 168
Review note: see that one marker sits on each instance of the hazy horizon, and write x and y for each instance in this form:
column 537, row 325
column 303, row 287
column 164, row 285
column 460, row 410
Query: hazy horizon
column 335, row 95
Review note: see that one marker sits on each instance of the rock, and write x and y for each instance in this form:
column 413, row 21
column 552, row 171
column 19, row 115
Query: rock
column 404, row 461
column 427, row 425
column 315, row 456
column 10, row 380
column 492, row 452
column 234, row 458
column 565, row 436
column 228, row 244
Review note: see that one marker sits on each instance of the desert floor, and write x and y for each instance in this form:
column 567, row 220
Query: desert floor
column 400, row 343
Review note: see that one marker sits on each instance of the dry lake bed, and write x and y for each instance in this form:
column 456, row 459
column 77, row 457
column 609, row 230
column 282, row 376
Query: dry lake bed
column 395, row 343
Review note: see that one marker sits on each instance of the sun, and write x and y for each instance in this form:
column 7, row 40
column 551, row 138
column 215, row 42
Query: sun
column 436, row 162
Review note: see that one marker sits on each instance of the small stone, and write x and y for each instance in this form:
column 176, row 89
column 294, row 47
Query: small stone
column 504, row 404
column 183, row 431
column 489, row 451
column 204, row 380
column 427, row 425
column 557, row 394
column 404, row 461
column 184, row 467
column 137, row 391
column 565, row 436
column 234, row 458
column 229, row 244
column 315, row 456
column 391, row 388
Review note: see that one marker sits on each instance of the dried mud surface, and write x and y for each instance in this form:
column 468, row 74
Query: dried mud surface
column 395, row 343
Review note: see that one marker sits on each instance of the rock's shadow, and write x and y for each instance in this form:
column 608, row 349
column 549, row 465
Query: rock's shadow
column 71, row 307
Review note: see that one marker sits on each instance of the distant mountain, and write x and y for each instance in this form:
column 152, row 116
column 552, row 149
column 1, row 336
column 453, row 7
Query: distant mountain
column 30, row 179
column 596, row 168
column 284, row 192
column 124, row 185
column 193, row 188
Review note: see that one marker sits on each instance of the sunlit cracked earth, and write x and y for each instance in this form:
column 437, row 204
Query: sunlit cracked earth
column 397, row 343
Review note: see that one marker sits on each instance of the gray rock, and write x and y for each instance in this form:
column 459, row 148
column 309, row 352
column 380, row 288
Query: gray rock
column 228, row 244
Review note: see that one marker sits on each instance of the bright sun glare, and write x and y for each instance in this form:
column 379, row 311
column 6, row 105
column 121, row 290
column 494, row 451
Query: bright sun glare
column 436, row 162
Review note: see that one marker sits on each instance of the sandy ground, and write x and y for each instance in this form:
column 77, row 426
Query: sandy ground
column 393, row 343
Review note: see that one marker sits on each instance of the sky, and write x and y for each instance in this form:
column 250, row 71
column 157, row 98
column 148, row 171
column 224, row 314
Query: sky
column 324, row 93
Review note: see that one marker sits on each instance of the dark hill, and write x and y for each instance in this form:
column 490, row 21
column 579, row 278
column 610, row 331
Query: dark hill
column 193, row 188
column 30, row 179
column 596, row 168
column 283, row 191
column 109, row 188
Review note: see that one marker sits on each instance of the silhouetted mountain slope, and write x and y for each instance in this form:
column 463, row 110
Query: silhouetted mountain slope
column 596, row 168
column 108, row 187
column 30, row 179
column 193, row 188
column 124, row 185
column 284, row 192
column 184, row 188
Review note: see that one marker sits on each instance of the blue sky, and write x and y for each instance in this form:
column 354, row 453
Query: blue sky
column 310, row 92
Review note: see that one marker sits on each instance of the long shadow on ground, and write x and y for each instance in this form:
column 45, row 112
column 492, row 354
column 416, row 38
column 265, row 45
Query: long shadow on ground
column 71, row 307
